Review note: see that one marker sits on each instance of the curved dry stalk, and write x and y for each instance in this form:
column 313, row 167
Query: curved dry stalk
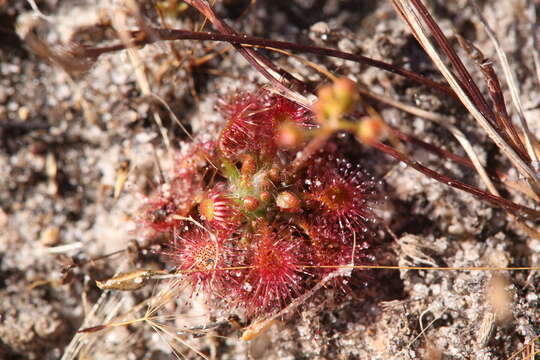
column 423, row 329
column 442, row 121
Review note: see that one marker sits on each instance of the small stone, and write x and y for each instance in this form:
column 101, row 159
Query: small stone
column 50, row 236
column 23, row 113
column 320, row 28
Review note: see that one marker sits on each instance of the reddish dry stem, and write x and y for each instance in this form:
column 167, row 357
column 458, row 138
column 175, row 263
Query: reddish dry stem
column 504, row 124
column 93, row 329
column 251, row 55
column 177, row 34
column 465, row 79
column 495, row 175
column 518, row 210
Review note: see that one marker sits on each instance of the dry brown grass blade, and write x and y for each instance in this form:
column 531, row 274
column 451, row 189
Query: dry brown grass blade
column 511, row 81
column 508, row 130
column 412, row 18
column 140, row 39
column 464, row 142
column 442, row 121
column 518, row 210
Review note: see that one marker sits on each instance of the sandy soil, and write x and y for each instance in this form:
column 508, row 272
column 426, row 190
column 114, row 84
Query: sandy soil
column 65, row 135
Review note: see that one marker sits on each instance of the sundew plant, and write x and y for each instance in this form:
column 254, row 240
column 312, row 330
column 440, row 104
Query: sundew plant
column 283, row 207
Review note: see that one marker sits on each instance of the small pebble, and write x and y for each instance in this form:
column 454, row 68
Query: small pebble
column 50, row 236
